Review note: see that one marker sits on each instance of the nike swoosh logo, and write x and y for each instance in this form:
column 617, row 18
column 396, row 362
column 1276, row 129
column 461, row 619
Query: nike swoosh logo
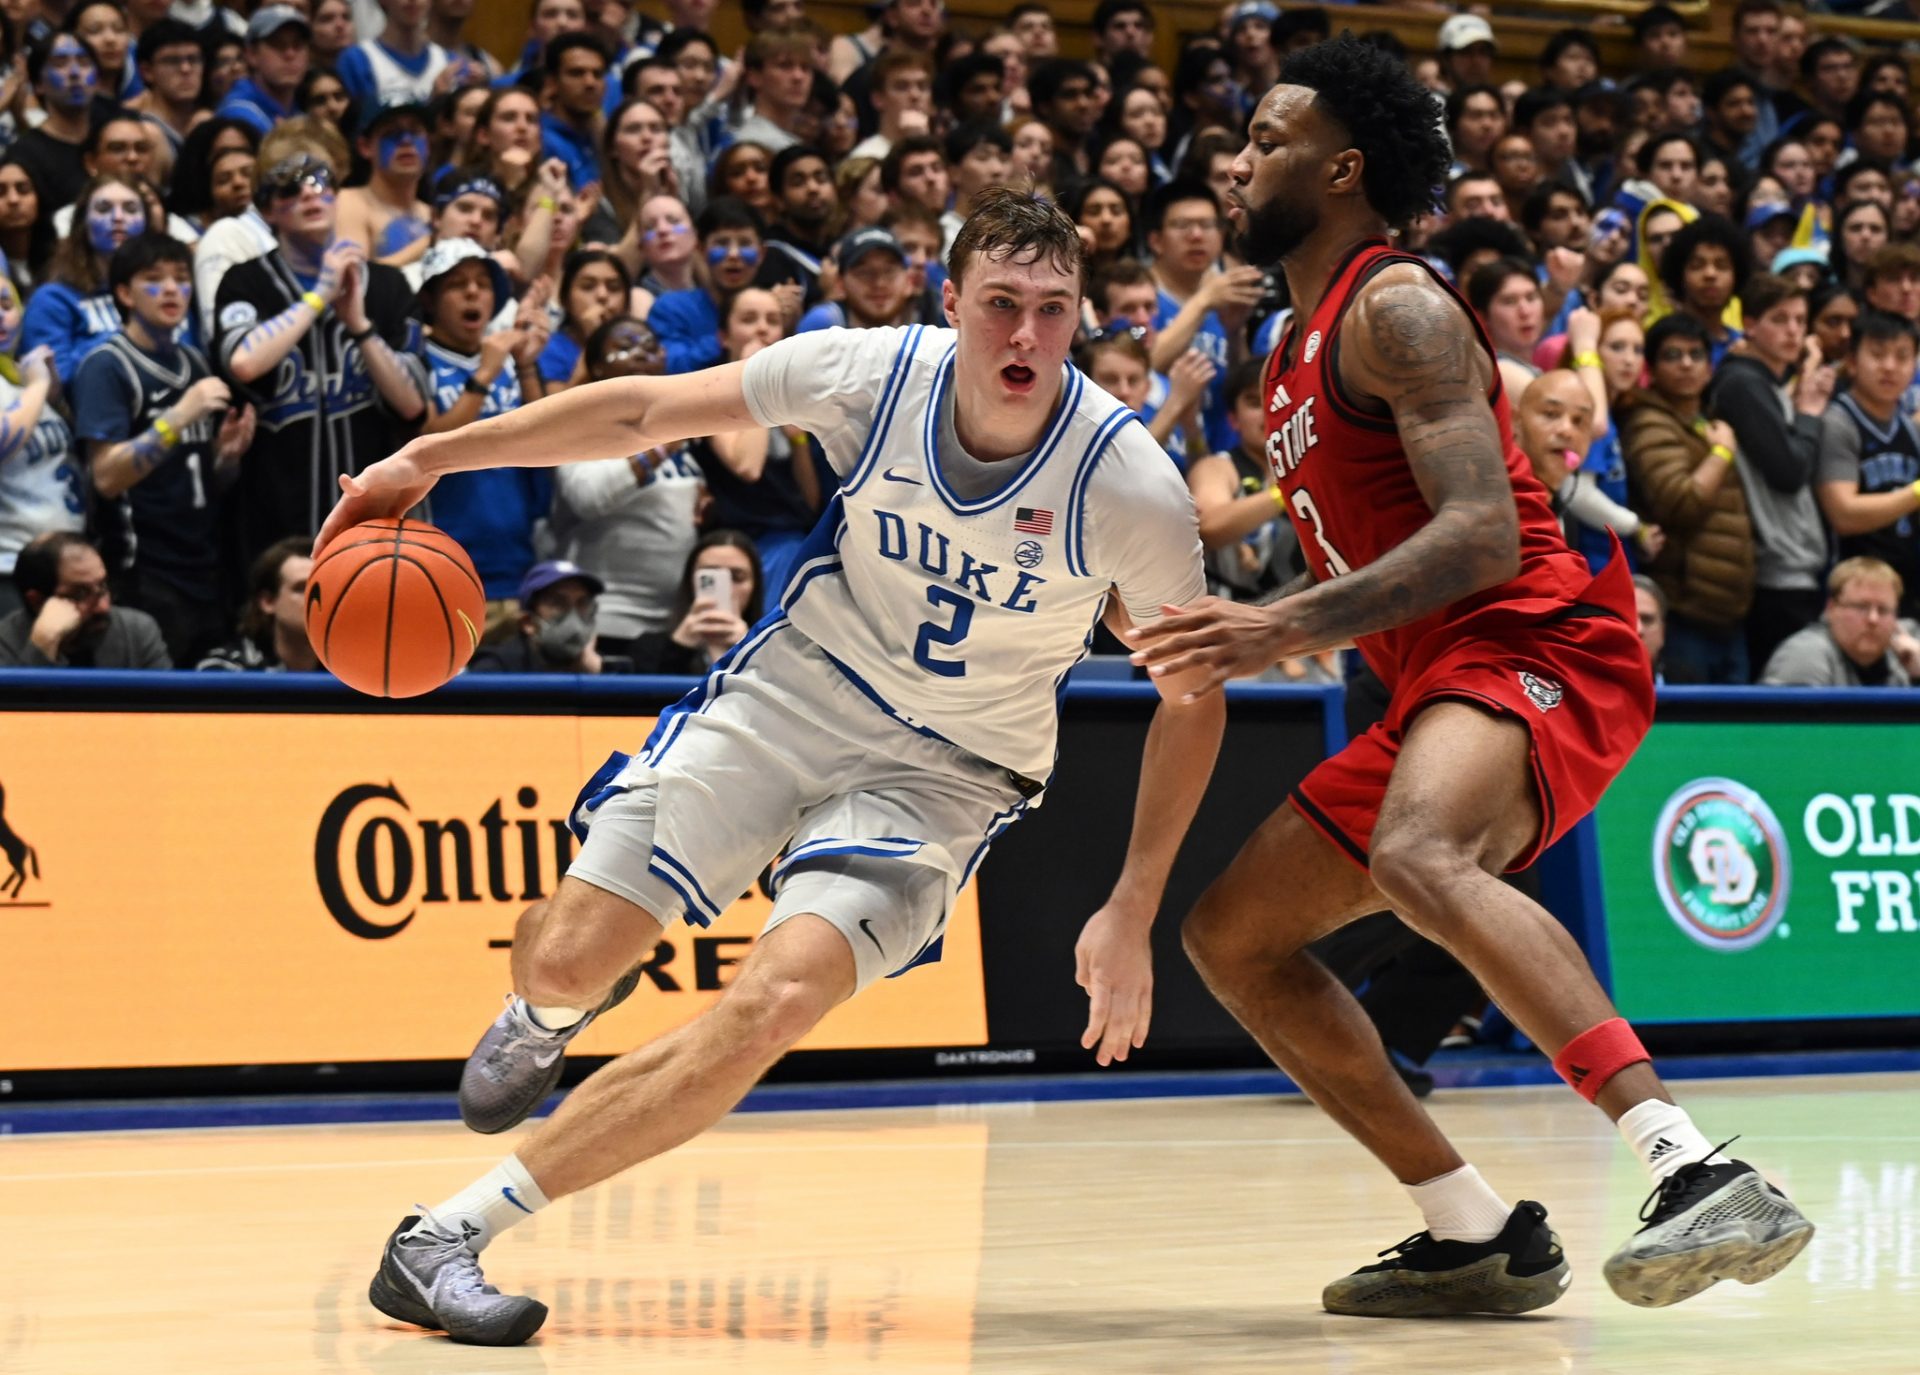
column 866, row 926
column 892, row 476
column 544, row 1061
column 507, row 1191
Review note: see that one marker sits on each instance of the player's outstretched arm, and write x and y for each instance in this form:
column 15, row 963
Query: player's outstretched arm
column 1409, row 344
column 1113, row 959
column 610, row 419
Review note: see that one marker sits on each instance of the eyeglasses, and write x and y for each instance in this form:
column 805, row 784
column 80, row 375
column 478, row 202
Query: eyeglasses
column 1191, row 226
column 1101, row 333
column 1682, row 356
column 180, row 62
column 1869, row 610
column 82, row 595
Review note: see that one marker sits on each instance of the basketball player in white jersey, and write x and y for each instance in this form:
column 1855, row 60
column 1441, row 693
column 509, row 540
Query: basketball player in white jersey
column 894, row 716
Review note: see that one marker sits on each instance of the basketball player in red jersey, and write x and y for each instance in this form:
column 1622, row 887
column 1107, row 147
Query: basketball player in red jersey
column 1519, row 690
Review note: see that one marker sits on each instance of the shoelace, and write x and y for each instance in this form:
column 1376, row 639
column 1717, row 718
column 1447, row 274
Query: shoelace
column 1674, row 1188
column 1401, row 1248
column 451, row 1259
column 520, row 1031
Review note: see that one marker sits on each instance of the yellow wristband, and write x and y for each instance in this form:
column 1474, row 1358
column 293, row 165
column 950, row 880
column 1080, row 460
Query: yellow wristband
column 1916, row 489
column 1279, row 498
column 547, row 203
column 168, row 435
column 1721, row 451
column 1588, row 359
column 314, row 301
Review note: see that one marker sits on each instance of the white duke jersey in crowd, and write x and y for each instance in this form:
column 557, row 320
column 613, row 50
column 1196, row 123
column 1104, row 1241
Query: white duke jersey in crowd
column 957, row 594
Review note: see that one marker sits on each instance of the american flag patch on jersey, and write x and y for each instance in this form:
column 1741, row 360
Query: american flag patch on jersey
column 1033, row 520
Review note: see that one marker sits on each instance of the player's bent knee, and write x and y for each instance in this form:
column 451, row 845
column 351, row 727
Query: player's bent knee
column 1413, row 869
column 770, row 1016
column 1221, row 938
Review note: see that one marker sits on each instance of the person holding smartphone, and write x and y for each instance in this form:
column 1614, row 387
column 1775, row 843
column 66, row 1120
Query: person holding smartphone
column 721, row 594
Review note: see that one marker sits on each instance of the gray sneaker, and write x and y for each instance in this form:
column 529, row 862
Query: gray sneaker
column 1707, row 1223
column 517, row 1064
column 1518, row 1271
column 431, row 1279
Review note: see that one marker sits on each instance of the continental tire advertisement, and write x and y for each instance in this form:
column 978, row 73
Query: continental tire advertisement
column 255, row 888
column 1757, row 871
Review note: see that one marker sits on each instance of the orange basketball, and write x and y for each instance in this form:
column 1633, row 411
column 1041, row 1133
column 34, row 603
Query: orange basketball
column 394, row 608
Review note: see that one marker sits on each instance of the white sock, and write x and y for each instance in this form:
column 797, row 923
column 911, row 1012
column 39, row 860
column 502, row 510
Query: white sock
column 1664, row 1138
column 551, row 1018
column 1460, row 1206
column 494, row 1202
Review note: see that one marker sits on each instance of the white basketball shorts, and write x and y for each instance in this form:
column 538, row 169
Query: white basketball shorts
column 779, row 751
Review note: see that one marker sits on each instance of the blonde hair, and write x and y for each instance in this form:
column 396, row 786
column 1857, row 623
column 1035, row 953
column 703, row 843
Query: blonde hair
column 1862, row 569
column 304, row 134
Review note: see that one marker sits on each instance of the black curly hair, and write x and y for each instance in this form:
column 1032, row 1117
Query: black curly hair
column 1395, row 122
column 1716, row 230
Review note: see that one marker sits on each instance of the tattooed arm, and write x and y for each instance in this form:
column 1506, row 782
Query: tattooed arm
column 1298, row 583
column 1409, row 347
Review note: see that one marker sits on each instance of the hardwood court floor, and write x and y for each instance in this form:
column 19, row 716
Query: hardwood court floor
column 1187, row 1235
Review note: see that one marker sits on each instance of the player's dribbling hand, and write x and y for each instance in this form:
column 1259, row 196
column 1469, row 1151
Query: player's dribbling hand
column 1211, row 641
column 389, row 488
column 1113, row 961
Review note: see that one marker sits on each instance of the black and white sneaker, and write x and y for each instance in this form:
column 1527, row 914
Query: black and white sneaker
column 429, row 1277
column 517, row 1064
column 1707, row 1223
column 1518, row 1271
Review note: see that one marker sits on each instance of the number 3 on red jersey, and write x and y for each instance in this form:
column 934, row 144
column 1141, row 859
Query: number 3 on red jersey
column 1303, row 503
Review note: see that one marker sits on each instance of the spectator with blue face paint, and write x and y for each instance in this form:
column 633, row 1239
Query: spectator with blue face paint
column 279, row 42
column 326, row 346
column 73, row 311
column 162, row 440
column 688, row 322
column 387, row 214
column 65, row 78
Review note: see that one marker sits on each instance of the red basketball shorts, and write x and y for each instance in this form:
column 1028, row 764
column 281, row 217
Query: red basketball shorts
column 1580, row 684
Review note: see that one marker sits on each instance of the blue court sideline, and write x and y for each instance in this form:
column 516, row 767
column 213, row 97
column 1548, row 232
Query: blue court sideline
column 1480, row 1070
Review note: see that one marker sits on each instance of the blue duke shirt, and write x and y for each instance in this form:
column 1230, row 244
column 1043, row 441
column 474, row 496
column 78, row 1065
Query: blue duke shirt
column 491, row 511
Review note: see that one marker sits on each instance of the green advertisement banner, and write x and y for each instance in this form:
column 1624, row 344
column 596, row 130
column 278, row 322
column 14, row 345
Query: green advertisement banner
column 1758, row 871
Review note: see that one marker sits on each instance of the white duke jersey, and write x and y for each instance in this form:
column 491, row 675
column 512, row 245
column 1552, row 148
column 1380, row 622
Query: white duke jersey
column 958, row 609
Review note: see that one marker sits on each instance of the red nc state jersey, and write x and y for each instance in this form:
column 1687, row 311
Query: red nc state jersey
column 1352, row 496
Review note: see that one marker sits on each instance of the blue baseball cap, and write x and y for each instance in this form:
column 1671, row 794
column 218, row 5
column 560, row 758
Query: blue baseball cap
column 544, row 575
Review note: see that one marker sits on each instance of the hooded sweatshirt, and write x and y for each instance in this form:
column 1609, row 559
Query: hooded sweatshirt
column 1777, row 450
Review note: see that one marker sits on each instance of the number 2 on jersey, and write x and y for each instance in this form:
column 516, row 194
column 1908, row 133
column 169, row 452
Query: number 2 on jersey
column 951, row 634
column 1303, row 503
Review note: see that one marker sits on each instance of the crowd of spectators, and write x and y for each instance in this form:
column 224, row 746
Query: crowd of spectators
column 247, row 250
